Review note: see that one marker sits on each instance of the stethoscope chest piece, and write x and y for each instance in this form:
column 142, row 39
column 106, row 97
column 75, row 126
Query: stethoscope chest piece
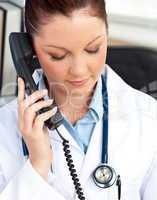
column 104, row 176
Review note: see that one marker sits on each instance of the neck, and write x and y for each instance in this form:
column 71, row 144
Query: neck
column 73, row 107
column 74, row 102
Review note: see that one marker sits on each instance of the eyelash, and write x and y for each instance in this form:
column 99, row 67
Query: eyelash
column 61, row 58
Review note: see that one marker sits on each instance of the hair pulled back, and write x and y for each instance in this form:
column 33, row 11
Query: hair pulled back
column 38, row 12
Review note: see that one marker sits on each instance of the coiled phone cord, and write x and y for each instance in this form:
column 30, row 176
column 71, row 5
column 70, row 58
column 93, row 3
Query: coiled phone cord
column 69, row 161
column 71, row 167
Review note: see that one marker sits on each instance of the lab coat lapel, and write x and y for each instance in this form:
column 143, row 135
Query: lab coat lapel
column 118, row 113
column 93, row 154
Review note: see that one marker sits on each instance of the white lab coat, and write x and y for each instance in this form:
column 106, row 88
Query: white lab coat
column 132, row 152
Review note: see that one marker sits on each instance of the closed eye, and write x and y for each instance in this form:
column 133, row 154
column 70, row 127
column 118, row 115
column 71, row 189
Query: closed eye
column 57, row 58
column 94, row 51
column 62, row 57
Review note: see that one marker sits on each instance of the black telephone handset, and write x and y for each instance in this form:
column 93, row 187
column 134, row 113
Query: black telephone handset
column 23, row 55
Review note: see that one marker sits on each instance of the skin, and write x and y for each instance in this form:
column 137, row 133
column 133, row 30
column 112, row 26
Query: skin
column 74, row 34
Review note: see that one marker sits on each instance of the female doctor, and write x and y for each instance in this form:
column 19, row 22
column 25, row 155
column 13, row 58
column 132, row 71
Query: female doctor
column 106, row 146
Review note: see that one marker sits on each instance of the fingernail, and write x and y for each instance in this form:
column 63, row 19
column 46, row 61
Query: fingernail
column 50, row 101
column 54, row 110
column 45, row 91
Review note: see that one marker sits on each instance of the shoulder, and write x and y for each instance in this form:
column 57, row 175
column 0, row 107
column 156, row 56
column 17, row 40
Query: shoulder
column 134, row 117
column 135, row 109
column 9, row 107
column 9, row 132
column 10, row 140
column 130, row 99
column 8, row 113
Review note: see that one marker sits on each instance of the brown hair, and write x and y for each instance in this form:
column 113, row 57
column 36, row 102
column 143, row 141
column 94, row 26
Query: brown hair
column 38, row 12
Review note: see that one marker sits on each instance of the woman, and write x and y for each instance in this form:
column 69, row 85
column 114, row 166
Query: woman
column 70, row 41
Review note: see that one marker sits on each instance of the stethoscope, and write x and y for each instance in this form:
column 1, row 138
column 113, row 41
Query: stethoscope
column 104, row 176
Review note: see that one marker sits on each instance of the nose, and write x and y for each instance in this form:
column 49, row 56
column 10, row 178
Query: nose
column 79, row 67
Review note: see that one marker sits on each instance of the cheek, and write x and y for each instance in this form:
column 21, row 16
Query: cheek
column 102, row 55
column 54, row 71
column 100, row 61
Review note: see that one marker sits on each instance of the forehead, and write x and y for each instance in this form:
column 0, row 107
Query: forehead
column 80, row 27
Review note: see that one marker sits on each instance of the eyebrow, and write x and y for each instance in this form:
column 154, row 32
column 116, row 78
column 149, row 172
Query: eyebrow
column 50, row 45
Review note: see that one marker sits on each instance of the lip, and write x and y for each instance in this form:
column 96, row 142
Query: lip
column 78, row 82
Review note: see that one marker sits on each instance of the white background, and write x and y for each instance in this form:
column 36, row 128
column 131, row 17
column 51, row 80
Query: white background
column 141, row 8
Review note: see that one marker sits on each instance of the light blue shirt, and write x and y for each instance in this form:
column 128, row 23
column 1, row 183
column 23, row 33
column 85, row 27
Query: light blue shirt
column 83, row 129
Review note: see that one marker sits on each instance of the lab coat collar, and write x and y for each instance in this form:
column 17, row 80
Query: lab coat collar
column 118, row 93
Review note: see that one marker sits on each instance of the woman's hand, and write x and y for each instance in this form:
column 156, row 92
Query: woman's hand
column 32, row 127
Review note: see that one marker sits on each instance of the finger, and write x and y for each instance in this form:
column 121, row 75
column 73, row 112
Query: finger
column 21, row 89
column 30, row 100
column 21, row 96
column 35, row 96
column 40, row 119
column 30, row 112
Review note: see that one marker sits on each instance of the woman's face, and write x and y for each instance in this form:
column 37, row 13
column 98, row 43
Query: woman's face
column 72, row 51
